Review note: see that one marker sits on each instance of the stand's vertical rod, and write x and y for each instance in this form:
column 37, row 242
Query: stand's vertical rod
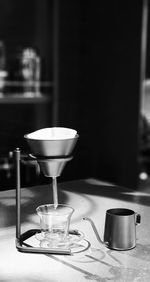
column 55, row 192
column 18, row 193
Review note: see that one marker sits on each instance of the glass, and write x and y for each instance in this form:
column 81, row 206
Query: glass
column 55, row 223
column 30, row 71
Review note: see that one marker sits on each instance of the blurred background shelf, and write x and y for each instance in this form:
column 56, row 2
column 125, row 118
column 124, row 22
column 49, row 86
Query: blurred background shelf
column 24, row 99
column 26, row 103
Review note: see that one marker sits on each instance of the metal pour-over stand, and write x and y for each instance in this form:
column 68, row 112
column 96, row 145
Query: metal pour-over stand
column 51, row 167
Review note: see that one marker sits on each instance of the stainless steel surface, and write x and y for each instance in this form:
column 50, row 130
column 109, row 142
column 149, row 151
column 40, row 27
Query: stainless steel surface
column 52, row 148
column 52, row 142
column 18, row 192
column 94, row 229
column 120, row 229
column 53, row 167
column 52, row 154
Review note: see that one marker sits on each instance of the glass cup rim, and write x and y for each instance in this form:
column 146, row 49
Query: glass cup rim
column 52, row 211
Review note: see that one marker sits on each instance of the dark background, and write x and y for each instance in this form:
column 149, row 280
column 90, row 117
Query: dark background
column 99, row 86
column 98, row 72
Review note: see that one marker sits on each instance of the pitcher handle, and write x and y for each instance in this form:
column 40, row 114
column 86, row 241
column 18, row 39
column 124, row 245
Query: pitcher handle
column 137, row 218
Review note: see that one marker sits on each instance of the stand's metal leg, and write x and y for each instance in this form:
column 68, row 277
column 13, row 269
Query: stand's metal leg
column 18, row 192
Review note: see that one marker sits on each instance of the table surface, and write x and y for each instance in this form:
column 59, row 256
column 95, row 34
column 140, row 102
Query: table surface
column 89, row 198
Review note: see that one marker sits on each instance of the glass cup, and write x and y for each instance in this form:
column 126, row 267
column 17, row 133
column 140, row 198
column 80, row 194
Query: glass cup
column 55, row 222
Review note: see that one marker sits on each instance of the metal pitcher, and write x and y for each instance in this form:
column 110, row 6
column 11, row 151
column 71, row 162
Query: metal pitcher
column 120, row 228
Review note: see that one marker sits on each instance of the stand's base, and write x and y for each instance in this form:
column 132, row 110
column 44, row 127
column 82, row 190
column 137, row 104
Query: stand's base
column 78, row 244
column 22, row 246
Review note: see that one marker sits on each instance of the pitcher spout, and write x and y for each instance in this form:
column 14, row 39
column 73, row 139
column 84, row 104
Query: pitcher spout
column 94, row 229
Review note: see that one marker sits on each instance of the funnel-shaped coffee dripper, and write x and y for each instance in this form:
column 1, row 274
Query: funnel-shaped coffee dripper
column 52, row 148
column 52, row 142
column 51, row 167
